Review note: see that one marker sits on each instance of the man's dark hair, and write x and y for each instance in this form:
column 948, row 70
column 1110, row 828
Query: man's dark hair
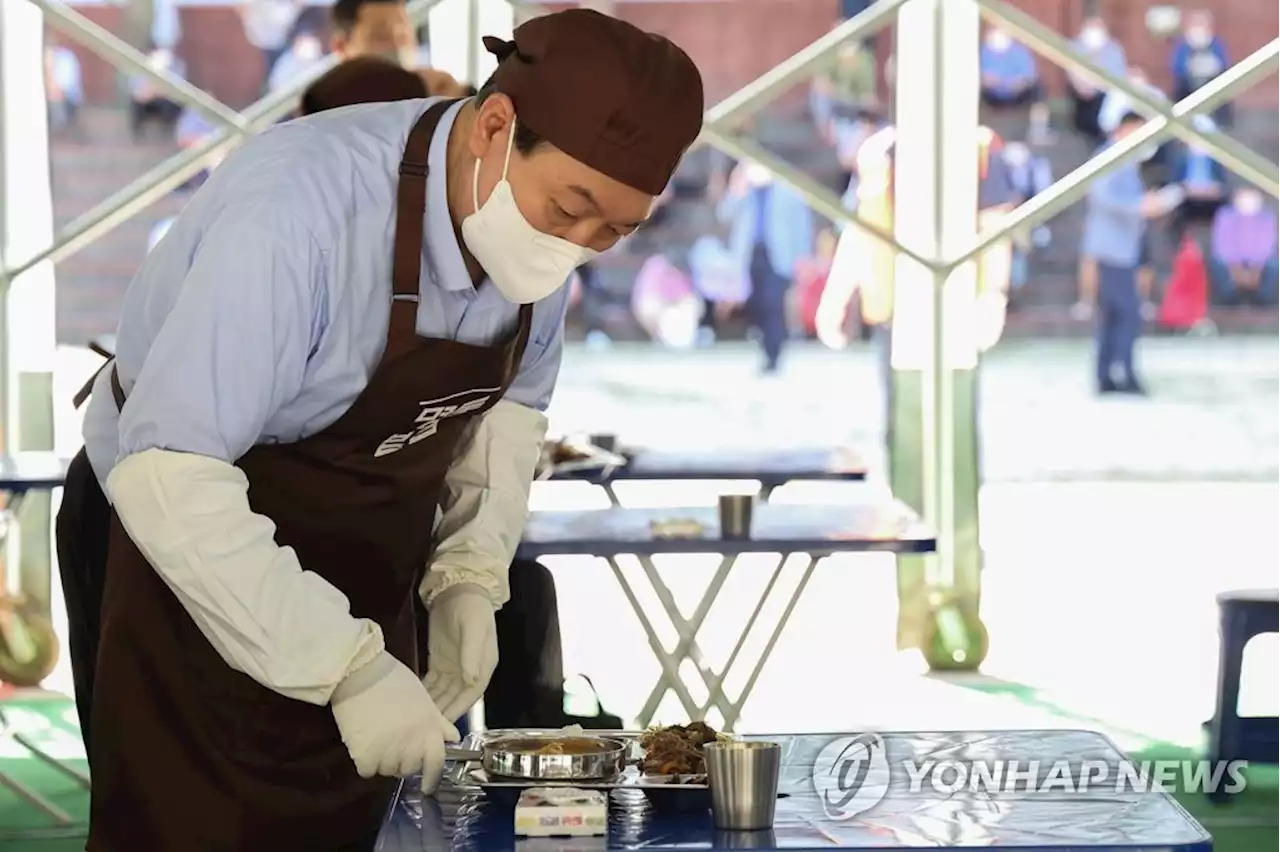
column 526, row 140
column 344, row 13
column 364, row 80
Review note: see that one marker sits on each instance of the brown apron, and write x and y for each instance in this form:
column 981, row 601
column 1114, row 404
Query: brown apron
column 190, row 755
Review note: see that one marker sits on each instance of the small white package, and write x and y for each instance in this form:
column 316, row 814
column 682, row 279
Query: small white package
column 561, row 812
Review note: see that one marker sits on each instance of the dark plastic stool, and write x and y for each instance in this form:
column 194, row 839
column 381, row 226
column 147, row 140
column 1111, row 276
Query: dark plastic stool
column 1243, row 615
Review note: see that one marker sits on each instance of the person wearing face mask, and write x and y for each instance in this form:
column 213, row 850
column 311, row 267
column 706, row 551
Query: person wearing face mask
column 374, row 28
column 1010, row 78
column 1096, row 46
column 1242, row 263
column 1198, row 57
column 355, row 326
column 527, row 687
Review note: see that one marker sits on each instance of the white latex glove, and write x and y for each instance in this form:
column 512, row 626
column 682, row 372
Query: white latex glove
column 462, row 648
column 389, row 724
column 1081, row 311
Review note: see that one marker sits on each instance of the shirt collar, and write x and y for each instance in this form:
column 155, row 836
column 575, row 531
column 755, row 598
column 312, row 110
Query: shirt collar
column 440, row 248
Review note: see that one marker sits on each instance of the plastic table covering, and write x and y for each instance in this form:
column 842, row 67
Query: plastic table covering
column 816, row 531
column 461, row 820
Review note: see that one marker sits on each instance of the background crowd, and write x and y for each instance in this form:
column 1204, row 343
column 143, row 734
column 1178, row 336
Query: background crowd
column 745, row 252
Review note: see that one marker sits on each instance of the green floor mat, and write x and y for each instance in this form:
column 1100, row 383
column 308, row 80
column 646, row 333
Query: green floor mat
column 49, row 724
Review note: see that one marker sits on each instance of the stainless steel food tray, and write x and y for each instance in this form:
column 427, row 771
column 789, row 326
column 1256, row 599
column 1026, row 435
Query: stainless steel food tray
column 469, row 773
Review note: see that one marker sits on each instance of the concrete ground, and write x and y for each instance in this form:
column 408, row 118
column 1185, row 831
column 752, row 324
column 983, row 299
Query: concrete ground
column 1108, row 527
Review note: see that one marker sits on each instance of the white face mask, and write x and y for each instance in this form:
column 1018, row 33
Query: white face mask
column 1248, row 203
column 524, row 264
column 1094, row 37
column 1199, row 37
column 999, row 40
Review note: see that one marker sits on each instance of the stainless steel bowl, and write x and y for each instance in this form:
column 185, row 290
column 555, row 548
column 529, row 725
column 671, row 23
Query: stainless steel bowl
column 585, row 758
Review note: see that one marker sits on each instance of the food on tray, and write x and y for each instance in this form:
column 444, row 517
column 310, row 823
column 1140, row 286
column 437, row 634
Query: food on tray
column 677, row 750
column 677, row 528
column 559, row 745
column 562, row 453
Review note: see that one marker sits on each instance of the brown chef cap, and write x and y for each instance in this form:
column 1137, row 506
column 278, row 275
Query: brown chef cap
column 363, row 80
column 625, row 102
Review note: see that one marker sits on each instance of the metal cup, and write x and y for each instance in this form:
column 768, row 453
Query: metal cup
column 743, row 777
column 606, row 442
column 735, row 515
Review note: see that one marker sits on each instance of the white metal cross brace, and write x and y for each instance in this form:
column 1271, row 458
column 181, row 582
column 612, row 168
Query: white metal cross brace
column 765, row 88
column 124, row 57
column 687, row 645
column 1170, row 121
column 173, row 172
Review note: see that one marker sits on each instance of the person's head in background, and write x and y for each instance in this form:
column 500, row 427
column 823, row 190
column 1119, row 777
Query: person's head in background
column 364, row 80
column 998, row 40
column 374, row 28
column 1093, row 32
column 1128, row 123
column 1248, row 199
column 1198, row 28
column 307, row 47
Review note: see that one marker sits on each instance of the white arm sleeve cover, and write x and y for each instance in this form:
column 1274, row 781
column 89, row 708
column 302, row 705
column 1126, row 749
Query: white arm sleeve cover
column 286, row 628
column 486, row 502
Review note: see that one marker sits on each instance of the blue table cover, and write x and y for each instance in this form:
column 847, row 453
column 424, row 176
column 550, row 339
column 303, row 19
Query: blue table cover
column 461, row 819
column 887, row 525
column 771, row 468
column 23, row 472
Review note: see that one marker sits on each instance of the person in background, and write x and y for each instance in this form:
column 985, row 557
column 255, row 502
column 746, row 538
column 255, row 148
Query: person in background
column 147, row 104
column 268, row 24
column 374, row 28
column 720, row 279
column 849, row 138
column 1203, row 180
column 64, row 87
column 1096, row 45
column 1199, row 56
column 847, row 87
column 1242, row 259
column 1116, row 104
column 1118, row 209
column 1010, row 78
column 1029, row 175
column 772, row 229
column 304, row 52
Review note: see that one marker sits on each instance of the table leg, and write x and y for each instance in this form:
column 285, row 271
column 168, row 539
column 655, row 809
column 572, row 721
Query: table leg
column 687, row 646
column 670, row 670
column 732, row 718
column 715, row 688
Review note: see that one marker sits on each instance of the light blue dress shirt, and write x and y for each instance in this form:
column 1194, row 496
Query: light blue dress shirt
column 262, row 314
column 1114, row 225
column 785, row 225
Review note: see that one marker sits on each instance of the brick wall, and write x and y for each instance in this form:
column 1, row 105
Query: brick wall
column 731, row 40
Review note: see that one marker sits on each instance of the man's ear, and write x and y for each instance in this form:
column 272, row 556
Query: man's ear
column 494, row 117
